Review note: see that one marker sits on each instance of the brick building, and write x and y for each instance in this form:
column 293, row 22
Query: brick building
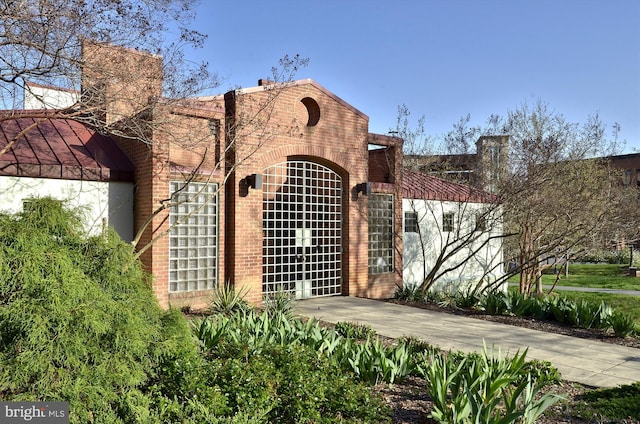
column 268, row 188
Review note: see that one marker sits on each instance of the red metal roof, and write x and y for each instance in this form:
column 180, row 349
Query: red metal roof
column 60, row 148
column 417, row 185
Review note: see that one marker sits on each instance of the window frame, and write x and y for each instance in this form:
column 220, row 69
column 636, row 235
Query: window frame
column 411, row 222
column 448, row 222
column 381, row 237
column 193, row 237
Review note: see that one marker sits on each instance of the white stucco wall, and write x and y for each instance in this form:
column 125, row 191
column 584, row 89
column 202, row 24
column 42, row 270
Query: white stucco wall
column 485, row 265
column 112, row 201
column 37, row 97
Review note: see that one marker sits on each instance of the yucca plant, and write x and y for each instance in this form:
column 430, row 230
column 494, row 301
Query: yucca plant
column 279, row 303
column 226, row 300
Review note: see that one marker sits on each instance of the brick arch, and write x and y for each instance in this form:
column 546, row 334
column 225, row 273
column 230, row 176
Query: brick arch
column 344, row 163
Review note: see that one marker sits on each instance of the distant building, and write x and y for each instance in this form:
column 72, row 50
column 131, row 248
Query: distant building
column 484, row 169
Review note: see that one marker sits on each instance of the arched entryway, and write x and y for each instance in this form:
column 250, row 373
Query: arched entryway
column 302, row 230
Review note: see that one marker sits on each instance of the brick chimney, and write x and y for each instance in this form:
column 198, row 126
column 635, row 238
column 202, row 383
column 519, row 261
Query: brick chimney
column 493, row 161
column 119, row 82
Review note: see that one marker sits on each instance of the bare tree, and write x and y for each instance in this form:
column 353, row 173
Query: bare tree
column 145, row 92
column 42, row 42
column 558, row 193
column 558, row 197
column 453, row 236
column 453, row 230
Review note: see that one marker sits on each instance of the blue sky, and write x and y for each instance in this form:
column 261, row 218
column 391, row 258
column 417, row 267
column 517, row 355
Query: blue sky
column 443, row 59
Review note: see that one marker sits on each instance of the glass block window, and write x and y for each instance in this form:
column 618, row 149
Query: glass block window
column 448, row 220
column 410, row 222
column 380, row 233
column 193, row 237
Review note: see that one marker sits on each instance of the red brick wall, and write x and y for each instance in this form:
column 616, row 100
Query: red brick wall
column 339, row 141
column 259, row 128
column 386, row 168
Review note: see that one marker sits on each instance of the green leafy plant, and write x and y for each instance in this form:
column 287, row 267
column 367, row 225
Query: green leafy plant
column 467, row 299
column 495, row 303
column 78, row 319
column 483, row 388
column 409, row 292
column 279, row 303
column 226, row 299
column 542, row 373
column 622, row 324
column 619, row 404
column 354, row 330
column 417, row 346
column 286, row 367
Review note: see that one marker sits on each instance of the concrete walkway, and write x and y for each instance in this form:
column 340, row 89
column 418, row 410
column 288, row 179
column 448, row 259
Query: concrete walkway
column 583, row 361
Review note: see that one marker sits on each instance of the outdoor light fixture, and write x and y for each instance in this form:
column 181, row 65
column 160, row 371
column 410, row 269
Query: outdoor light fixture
column 364, row 188
column 254, row 181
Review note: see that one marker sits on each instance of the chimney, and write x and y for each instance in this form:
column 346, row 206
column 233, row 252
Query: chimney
column 118, row 82
column 492, row 164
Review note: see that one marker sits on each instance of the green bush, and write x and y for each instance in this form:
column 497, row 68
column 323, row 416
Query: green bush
column 293, row 384
column 609, row 256
column 78, row 319
column 286, row 368
column 614, row 405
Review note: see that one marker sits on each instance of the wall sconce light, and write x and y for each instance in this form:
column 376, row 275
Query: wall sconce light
column 254, row 181
column 363, row 188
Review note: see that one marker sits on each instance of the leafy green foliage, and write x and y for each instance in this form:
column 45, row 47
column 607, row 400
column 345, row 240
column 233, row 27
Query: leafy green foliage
column 225, row 299
column 629, row 305
column 354, row 330
column 279, row 303
column 563, row 309
column 609, row 257
column 78, row 319
column 292, row 370
column 622, row 324
column 611, row 405
column 483, row 388
column 409, row 292
column 542, row 372
column 495, row 303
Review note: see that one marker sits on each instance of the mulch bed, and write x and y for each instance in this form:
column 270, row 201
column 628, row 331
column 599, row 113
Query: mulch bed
column 411, row 404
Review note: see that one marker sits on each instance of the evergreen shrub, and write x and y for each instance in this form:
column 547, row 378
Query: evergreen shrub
column 78, row 319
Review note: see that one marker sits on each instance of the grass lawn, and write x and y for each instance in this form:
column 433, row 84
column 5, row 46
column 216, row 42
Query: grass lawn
column 599, row 276
column 593, row 275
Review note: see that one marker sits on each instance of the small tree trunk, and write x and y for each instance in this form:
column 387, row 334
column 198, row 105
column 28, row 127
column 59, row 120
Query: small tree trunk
column 538, row 280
